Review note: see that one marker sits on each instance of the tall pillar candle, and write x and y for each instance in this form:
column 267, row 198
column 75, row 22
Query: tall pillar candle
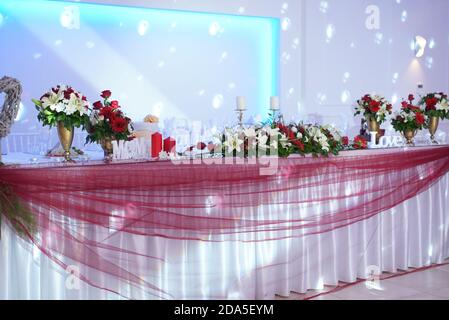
column 156, row 144
column 170, row 145
column 241, row 103
column 274, row 103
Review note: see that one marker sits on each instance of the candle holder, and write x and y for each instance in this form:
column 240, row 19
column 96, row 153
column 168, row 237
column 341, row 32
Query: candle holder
column 276, row 116
column 240, row 115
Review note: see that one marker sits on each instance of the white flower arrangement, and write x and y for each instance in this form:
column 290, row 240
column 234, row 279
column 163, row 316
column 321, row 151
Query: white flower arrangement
column 250, row 139
column 62, row 104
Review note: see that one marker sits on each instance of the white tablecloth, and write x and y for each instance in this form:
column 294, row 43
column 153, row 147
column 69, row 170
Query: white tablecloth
column 413, row 234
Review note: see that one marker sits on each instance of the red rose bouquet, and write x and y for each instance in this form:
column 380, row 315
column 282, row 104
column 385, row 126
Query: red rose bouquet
column 360, row 143
column 107, row 121
column 410, row 118
column 436, row 105
column 312, row 139
column 374, row 107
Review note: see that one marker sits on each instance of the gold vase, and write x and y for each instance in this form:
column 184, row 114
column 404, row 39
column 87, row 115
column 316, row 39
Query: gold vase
column 66, row 139
column 373, row 126
column 409, row 136
column 106, row 145
column 433, row 127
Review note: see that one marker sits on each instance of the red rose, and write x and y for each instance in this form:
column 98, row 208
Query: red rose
column 119, row 125
column 299, row 144
column 98, row 105
column 107, row 112
column 106, row 94
column 360, row 143
column 374, row 106
column 420, row 118
column 411, row 98
column 389, row 107
column 345, row 141
column 114, row 104
column 291, row 135
column 201, row 146
column 431, row 102
column 404, row 104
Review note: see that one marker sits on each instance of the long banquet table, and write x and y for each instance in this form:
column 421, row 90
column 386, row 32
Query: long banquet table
column 223, row 232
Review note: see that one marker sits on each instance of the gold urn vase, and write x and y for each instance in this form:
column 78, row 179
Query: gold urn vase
column 409, row 136
column 433, row 127
column 66, row 139
column 374, row 126
column 106, row 145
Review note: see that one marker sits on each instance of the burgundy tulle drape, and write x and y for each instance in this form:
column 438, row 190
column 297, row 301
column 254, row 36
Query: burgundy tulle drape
column 86, row 213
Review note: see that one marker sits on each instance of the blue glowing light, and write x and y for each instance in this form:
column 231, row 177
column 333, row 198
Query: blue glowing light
column 80, row 33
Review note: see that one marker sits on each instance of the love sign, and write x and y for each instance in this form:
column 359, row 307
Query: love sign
column 386, row 142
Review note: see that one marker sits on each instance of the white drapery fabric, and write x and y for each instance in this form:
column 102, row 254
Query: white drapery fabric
column 413, row 234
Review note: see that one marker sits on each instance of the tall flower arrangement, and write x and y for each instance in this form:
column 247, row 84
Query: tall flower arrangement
column 107, row 121
column 65, row 108
column 410, row 118
column 436, row 105
column 374, row 107
column 62, row 104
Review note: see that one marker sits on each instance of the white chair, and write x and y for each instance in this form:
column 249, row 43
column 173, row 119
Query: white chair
column 22, row 142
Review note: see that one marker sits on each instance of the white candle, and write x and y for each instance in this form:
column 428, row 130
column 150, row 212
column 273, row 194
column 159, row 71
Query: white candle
column 241, row 103
column 274, row 103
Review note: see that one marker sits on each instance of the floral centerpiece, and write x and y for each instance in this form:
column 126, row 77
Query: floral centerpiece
column 253, row 141
column 409, row 120
column 436, row 108
column 436, row 105
column 375, row 109
column 281, row 140
column 65, row 108
column 313, row 139
column 107, row 122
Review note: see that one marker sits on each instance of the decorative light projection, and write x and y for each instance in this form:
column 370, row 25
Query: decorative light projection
column 404, row 16
column 420, row 46
column 173, row 63
column 286, row 23
column 330, row 32
column 324, row 6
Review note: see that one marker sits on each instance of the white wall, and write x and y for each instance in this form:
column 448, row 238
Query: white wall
column 378, row 61
column 321, row 77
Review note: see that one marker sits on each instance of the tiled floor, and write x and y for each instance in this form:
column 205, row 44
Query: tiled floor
column 432, row 284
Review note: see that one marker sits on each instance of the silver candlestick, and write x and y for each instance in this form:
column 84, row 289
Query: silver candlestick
column 277, row 116
column 240, row 115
